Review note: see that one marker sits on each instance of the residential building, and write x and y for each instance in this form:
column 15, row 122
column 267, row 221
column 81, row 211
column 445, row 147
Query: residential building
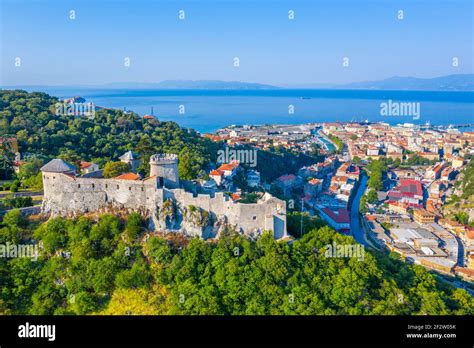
column 423, row 217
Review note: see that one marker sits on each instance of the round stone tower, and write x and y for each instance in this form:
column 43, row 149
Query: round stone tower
column 165, row 166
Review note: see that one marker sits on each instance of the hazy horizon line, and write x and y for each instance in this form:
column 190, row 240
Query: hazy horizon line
column 280, row 85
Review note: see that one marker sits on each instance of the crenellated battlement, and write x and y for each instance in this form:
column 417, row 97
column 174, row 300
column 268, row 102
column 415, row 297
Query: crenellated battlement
column 161, row 158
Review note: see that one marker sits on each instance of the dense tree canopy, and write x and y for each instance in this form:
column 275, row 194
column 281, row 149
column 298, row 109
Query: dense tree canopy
column 109, row 266
column 378, row 171
column 467, row 183
column 32, row 119
column 94, row 267
column 113, row 169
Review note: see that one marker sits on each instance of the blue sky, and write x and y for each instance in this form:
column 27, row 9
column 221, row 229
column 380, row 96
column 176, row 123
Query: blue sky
column 91, row 49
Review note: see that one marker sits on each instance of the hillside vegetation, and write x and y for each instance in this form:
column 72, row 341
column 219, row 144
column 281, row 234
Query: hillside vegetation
column 31, row 117
column 461, row 205
column 112, row 269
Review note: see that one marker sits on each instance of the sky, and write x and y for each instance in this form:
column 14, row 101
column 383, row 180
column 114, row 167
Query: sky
column 41, row 44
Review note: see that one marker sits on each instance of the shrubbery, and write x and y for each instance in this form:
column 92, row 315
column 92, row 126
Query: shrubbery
column 234, row 275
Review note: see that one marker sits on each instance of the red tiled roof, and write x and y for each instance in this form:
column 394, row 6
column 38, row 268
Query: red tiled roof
column 215, row 137
column 228, row 166
column 314, row 181
column 438, row 167
column 128, row 176
column 370, row 217
column 340, row 215
column 85, row 165
column 410, row 187
column 215, row 173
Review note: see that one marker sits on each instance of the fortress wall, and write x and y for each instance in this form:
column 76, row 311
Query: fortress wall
column 249, row 217
column 267, row 214
column 125, row 193
column 66, row 195
column 218, row 204
column 222, row 205
column 61, row 195
column 153, row 198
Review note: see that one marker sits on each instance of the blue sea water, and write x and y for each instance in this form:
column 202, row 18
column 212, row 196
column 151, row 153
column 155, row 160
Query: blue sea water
column 208, row 110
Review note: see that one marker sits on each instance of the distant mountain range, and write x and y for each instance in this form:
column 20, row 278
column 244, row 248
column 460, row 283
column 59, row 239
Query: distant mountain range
column 460, row 82
column 192, row 84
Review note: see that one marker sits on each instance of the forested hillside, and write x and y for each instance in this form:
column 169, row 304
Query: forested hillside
column 31, row 117
column 112, row 269
column 460, row 207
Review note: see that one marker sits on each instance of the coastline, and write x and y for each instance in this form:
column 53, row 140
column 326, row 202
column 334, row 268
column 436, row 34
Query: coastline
column 209, row 110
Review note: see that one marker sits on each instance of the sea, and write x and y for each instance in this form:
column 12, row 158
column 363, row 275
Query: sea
column 209, row 110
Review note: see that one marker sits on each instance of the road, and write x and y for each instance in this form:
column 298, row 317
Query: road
column 359, row 234
column 356, row 229
column 461, row 251
column 456, row 283
column 22, row 193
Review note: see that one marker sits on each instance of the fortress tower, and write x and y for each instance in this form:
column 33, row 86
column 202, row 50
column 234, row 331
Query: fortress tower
column 132, row 159
column 166, row 167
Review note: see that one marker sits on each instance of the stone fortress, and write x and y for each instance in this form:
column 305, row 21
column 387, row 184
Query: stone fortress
column 161, row 198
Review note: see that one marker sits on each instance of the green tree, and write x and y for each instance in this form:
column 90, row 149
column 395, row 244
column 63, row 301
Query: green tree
column 145, row 146
column 30, row 168
column 462, row 217
column 136, row 277
column 113, row 169
column 372, row 197
column 14, row 229
column 53, row 234
column 34, row 182
column 133, row 226
column 363, row 205
column 298, row 221
column 189, row 164
column 159, row 250
column 139, row 301
column 357, row 160
column 6, row 159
